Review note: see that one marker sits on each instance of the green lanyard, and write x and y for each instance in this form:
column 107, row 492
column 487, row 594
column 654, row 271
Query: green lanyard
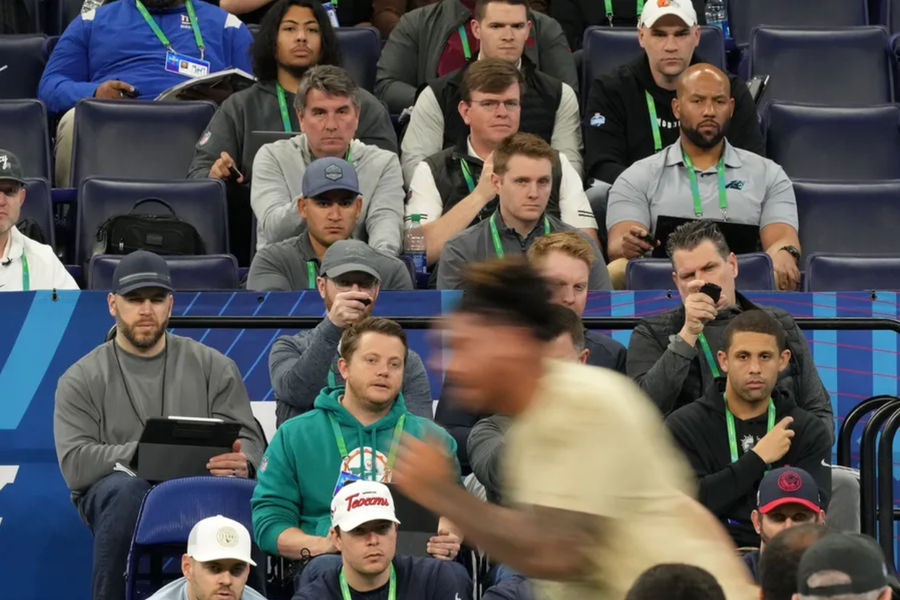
column 654, row 123
column 467, row 174
column 26, row 278
column 729, row 422
column 282, row 106
column 192, row 16
column 392, row 453
column 609, row 11
column 311, row 273
column 495, row 235
column 392, row 586
column 707, row 353
column 695, row 189
column 464, row 38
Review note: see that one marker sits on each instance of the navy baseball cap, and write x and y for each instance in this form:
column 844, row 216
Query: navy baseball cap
column 10, row 167
column 326, row 174
column 141, row 269
column 787, row 485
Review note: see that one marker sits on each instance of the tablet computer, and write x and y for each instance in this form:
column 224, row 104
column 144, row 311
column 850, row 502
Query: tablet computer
column 741, row 237
column 173, row 447
column 260, row 138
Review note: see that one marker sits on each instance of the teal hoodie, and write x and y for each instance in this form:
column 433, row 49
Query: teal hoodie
column 298, row 474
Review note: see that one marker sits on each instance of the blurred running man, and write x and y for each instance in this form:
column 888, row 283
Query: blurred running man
column 599, row 490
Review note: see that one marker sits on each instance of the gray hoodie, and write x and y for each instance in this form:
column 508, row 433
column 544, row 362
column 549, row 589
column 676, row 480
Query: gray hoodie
column 277, row 177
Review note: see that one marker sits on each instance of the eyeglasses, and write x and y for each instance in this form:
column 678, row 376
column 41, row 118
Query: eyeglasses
column 493, row 105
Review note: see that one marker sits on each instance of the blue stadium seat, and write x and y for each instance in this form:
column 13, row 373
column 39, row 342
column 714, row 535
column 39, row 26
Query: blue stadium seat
column 38, row 207
column 606, row 48
column 206, row 272
column 836, row 67
column 168, row 514
column 22, row 60
column 847, row 273
column 848, row 217
column 755, row 272
column 744, row 15
column 200, row 202
column 23, row 131
column 360, row 49
column 136, row 140
column 825, row 143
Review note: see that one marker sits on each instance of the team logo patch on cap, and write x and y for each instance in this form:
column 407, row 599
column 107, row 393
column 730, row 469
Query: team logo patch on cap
column 333, row 172
column 4, row 162
column 662, row 3
column 789, row 481
column 227, row 536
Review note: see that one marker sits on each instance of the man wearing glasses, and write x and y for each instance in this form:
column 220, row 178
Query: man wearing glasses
column 451, row 190
column 24, row 263
column 301, row 365
column 330, row 206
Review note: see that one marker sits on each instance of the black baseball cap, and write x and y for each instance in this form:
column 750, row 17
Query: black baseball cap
column 141, row 269
column 854, row 560
column 788, row 485
column 10, row 167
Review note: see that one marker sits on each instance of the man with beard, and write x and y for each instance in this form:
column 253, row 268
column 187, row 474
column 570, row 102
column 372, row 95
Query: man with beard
column 136, row 49
column 104, row 400
column 723, row 182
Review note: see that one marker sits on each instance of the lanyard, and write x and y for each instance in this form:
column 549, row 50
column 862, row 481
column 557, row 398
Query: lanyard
column 609, row 10
column 695, row 189
column 654, row 123
column 311, row 273
column 392, row 586
column 192, row 16
column 26, row 278
column 729, row 421
column 467, row 174
column 282, row 106
column 464, row 38
column 392, row 453
column 495, row 235
column 707, row 353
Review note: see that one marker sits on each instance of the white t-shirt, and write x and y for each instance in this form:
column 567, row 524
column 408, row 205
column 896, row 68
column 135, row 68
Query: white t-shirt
column 45, row 272
column 574, row 207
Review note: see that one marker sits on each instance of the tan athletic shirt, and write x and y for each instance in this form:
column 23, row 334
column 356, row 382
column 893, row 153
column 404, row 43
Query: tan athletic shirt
column 593, row 443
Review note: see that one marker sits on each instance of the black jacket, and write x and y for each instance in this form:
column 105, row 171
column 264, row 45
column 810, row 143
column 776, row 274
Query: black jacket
column 617, row 124
column 674, row 374
column 728, row 489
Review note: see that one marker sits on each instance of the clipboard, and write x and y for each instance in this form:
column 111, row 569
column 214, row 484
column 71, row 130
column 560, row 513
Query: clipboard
column 172, row 447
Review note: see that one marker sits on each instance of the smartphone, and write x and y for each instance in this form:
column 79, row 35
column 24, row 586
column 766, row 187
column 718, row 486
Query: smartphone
column 235, row 174
column 712, row 290
column 132, row 94
column 366, row 301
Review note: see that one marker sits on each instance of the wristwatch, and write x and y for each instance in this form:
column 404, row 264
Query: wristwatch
column 793, row 251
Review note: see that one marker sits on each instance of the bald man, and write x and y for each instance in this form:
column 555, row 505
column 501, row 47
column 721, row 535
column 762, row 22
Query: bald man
column 702, row 175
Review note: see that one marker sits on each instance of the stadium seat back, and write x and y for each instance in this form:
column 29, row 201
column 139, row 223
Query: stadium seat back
column 848, row 273
column 38, row 207
column 23, row 131
column 136, row 140
column 744, row 15
column 848, row 217
column 755, row 272
column 169, row 512
column 835, row 67
column 22, row 60
column 606, row 48
column 200, row 202
column 206, row 272
column 360, row 49
column 830, row 143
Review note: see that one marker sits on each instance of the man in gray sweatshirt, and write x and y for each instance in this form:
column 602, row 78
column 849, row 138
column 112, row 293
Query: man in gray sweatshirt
column 328, row 108
column 301, row 365
column 104, row 400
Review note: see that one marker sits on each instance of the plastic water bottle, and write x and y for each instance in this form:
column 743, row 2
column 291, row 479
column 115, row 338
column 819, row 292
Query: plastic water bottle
column 414, row 251
column 90, row 5
column 331, row 11
column 717, row 15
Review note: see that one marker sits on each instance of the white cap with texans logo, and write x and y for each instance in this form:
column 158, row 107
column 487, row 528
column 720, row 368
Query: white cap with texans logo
column 362, row 501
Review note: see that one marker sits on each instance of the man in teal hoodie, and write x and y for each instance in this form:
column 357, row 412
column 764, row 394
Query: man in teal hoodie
column 352, row 432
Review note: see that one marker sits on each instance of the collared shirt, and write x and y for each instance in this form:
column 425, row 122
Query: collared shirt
column 45, row 272
column 425, row 200
column 475, row 244
column 758, row 190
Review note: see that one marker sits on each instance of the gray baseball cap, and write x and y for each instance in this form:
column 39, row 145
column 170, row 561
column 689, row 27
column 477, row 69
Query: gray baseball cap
column 141, row 269
column 10, row 167
column 347, row 256
column 329, row 173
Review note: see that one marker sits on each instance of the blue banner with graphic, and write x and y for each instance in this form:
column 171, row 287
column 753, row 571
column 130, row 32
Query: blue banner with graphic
column 42, row 334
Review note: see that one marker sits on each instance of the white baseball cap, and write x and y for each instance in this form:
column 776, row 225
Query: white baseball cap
column 215, row 538
column 655, row 9
column 362, row 501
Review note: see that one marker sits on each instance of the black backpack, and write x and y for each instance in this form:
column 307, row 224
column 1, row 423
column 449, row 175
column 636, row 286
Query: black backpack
column 162, row 234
